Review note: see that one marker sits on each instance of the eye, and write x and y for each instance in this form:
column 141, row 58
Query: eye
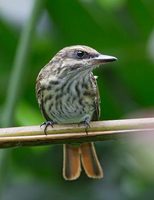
column 80, row 54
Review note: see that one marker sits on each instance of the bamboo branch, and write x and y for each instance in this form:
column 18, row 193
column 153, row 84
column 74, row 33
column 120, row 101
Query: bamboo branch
column 98, row 131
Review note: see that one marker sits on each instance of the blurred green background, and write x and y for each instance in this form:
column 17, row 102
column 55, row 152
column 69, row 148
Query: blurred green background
column 122, row 28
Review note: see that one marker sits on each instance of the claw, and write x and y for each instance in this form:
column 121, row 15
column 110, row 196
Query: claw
column 46, row 124
column 86, row 125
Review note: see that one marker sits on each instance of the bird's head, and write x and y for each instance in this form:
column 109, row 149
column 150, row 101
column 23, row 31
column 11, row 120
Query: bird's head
column 79, row 58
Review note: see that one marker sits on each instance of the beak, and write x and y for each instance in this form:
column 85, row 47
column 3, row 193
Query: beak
column 101, row 59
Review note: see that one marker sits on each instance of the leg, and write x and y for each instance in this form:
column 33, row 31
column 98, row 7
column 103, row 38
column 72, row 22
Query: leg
column 86, row 123
column 46, row 124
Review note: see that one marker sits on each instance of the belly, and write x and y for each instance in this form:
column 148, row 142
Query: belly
column 69, row 109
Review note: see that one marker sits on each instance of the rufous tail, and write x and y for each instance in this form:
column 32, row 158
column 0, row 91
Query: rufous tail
column 71, row 162
column 74, row 155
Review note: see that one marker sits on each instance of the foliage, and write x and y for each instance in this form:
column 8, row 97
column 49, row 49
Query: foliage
column 120, row 28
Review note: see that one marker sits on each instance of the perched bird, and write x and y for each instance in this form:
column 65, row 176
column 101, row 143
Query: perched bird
column 67, row 92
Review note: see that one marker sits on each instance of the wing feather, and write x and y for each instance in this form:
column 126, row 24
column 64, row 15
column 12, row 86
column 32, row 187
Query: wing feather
column 96, row 113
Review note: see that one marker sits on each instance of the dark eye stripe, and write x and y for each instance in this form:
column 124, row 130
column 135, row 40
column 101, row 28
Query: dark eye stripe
column 81, row 54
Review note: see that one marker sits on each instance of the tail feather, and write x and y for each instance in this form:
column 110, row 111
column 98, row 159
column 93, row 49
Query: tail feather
column 90, row 161
column 71, row 162
column 74, row 155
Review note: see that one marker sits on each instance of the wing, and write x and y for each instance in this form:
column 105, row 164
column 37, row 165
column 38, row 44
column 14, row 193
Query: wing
column 38, row 89
column 39, row 95
column 96, row 113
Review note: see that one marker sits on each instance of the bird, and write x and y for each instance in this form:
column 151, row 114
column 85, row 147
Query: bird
column 67, row 92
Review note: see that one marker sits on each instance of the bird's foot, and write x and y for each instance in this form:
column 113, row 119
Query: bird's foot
column 46, row 124
column 86, row 124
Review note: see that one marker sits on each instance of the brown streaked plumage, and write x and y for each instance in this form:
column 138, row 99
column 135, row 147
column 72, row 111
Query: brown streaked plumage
column 67, row 93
